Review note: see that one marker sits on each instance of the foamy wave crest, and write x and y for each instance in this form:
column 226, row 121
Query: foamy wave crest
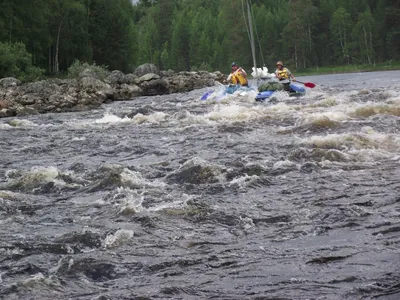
column 5, row 126
column 110, row 118
column 154, row 118
column 117, row 239
column 363, row 147
column 136, row 180
column 22, row 123
column 37, row 178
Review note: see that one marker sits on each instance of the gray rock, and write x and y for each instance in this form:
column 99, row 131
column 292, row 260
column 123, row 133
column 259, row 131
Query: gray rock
column 9, row 82
column 116, row 77
column 26, row 110
column 87, row 91
column 155, row 87
column 145, row 69
column 148, row 77
column 4, row 113
column 127, row 91
column 168, row 73
column 91, row 84
column 131, row 79
column 146, row 110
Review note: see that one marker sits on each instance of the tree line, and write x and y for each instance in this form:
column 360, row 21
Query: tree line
column 197, row 34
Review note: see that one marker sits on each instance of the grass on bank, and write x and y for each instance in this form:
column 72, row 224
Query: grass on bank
column 387, row 66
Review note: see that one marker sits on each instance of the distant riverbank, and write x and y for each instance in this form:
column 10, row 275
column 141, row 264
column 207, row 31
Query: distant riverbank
column 349, row 69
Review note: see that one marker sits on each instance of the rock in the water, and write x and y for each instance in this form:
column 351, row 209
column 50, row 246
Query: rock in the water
column 95, row 85
column 9, row 82
column 146, row 110
column 145, row 69
column 25, row 111
column 195, row 171
column 89, row 91
column 127, row 91
column 4, row 113
column 154, row 87
column 93, row 91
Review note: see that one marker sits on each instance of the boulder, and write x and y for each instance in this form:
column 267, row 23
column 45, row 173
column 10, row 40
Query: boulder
column 131, row 79
column 4, row 113
column 91, row 84
column 88, row 91
column 168, row 73
column 145, row 69
column 26, row 110
column 4, row 104
column 146, row 110
column 9, row 82
column 148, row 77
column 93, row 92
column 155, row 87
column 127, row 91
column 116, row 77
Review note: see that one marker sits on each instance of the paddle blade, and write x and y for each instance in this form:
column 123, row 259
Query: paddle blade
column 206, row 95
column 309, row 85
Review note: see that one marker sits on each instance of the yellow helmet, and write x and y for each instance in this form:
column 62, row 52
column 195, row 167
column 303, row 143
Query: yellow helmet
column 279, row 63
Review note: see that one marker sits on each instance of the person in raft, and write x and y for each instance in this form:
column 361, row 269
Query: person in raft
column 284, row 76
column 238, row 76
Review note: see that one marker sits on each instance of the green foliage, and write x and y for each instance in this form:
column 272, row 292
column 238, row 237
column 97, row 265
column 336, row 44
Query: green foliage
column 77, row 67
column 200, row 34
column 15, row 61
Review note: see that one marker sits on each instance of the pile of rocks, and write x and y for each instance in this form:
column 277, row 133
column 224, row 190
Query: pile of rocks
column 88, row 91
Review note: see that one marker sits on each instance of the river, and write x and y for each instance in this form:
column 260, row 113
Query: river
column 170, row 197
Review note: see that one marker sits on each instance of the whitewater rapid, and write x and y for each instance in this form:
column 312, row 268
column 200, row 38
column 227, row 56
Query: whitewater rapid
column 171, row 197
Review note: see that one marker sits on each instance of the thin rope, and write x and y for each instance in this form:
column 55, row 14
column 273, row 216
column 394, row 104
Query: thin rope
column 245, row 22
column 258, row 38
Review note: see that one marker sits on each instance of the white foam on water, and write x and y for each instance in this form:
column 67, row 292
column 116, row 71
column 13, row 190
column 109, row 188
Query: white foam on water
column 119, row 238
column 4, row 126
column 22, row 123
column 39, row 280
column 367, row 145
column 128, row 201
column 110, row 118
column 79, row 139
column 154, row 118
column 177, row 204
column 135, row 180
column 243, row 181
column 36, row 177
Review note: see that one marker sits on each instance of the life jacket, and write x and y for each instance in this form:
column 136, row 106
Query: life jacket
column 238, row 77
column 284, row 73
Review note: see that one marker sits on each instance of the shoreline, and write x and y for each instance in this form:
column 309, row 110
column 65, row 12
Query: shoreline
column 348, row 69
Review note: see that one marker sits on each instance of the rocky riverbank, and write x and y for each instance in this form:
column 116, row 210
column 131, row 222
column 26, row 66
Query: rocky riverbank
column 89, row 91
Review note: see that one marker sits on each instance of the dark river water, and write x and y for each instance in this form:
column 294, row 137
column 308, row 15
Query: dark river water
column 170, row 197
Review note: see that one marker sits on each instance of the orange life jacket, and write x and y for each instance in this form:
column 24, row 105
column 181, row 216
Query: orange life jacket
column 238, row 77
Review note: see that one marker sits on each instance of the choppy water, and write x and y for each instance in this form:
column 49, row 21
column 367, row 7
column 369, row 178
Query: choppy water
column 188, row 199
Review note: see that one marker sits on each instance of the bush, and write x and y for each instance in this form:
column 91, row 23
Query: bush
column 77, row 67
column 16, row 62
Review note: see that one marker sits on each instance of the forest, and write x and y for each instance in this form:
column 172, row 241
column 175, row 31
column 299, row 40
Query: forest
column 40, row 37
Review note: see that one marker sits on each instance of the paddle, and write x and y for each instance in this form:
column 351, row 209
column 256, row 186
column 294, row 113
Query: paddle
column 307, row 84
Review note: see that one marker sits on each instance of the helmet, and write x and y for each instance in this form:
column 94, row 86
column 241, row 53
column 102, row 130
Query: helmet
column 279, row 63
column 234, row 64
